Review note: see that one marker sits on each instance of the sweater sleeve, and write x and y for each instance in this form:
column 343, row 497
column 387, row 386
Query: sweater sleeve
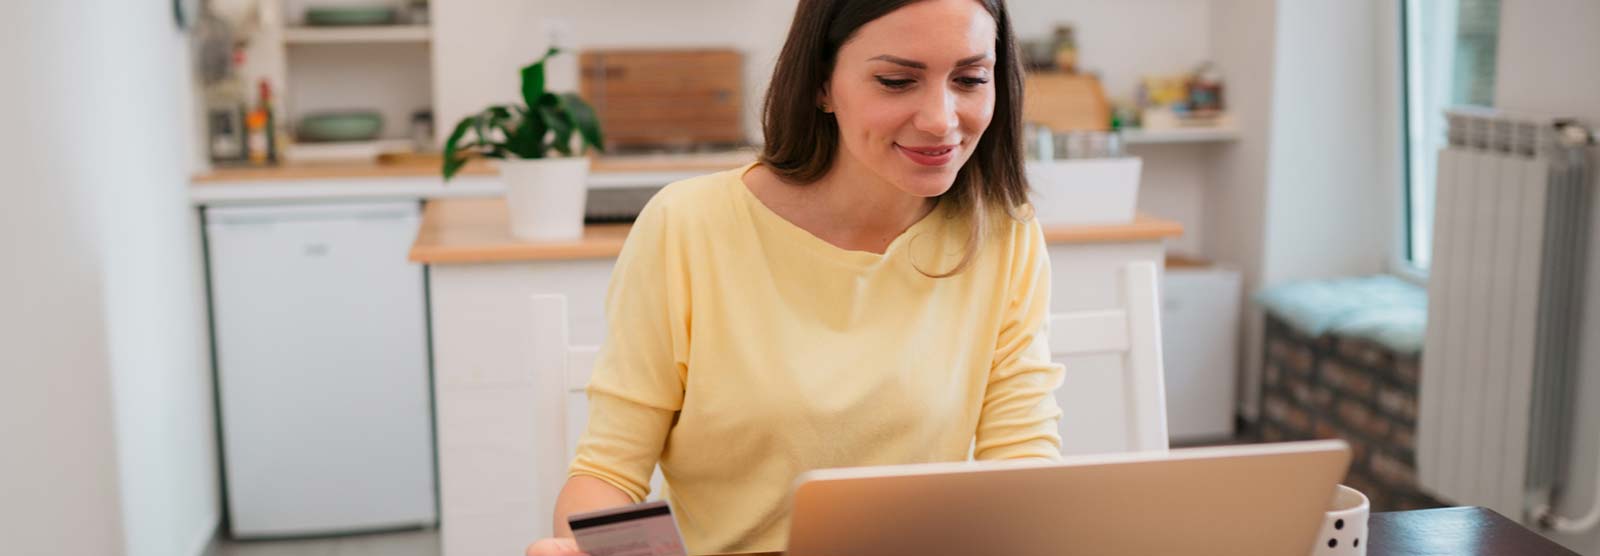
column 638, row 383
column 1020, row 415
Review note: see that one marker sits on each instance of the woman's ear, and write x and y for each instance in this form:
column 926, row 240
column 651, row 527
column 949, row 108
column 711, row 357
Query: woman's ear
column 824, row 100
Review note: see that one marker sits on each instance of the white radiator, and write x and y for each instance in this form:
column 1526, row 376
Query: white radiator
column 1497, row 367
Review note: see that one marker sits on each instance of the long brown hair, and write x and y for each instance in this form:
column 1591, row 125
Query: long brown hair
column 802, row 140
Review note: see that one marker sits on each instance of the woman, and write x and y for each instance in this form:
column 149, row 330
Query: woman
column 870, row 292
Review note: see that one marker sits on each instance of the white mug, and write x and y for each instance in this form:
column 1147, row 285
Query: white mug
column 1344, row 527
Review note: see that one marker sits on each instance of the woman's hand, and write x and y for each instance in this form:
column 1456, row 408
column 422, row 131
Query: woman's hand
column 580, row 494
column 555, row 546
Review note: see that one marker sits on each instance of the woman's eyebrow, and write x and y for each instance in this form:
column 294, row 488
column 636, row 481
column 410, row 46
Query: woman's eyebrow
column 968, row 61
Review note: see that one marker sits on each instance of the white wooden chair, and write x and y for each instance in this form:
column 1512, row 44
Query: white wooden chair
column 1114, row 395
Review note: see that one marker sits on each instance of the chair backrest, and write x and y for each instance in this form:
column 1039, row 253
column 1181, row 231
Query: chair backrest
column 1113, row 398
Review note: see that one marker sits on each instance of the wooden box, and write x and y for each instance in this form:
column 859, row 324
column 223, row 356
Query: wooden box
column 665, row 98
column 1065, row 102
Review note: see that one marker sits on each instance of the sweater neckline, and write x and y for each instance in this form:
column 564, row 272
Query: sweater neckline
column 793, row 233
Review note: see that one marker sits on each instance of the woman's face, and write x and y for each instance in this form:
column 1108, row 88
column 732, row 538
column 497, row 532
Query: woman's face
column 913, row 91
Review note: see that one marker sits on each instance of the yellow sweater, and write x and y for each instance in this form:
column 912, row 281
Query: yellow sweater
column 743, row 351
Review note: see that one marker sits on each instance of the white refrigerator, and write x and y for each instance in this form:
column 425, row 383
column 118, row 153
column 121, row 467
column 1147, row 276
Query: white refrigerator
column 322, row 368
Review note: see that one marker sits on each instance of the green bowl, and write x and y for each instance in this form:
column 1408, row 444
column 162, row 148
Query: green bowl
column 350, row 15
column 358, row 125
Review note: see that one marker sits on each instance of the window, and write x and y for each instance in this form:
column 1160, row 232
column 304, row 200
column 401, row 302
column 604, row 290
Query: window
column 1449, row 56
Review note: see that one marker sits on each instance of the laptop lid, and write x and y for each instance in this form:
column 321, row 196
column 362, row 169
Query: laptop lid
column 1265, row 499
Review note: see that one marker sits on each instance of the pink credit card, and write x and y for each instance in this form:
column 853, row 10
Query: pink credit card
column 639, row 530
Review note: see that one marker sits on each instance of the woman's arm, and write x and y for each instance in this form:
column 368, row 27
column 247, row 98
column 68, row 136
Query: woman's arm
column 581, row 494
column 638, row 383
column 1020, row 417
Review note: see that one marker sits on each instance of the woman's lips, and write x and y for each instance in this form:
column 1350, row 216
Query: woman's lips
column 930, row 155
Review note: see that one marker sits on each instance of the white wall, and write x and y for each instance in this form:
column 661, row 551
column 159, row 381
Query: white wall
column 153, row 281
column 1547, row 66
column 106, row 401
column 1235, row 204
column 1175, row 184
column 58, row 473
column 1303, row 194
column 1326, row 204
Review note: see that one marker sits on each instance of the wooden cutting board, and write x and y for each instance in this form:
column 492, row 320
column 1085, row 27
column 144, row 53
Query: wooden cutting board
column 1065, row 102
column 666, row 98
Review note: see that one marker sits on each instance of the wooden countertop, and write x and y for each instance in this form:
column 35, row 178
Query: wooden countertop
column 457, row 231
column 427, row 166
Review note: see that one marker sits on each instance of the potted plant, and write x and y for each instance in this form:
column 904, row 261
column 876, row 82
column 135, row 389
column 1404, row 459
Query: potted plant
column 546, row 179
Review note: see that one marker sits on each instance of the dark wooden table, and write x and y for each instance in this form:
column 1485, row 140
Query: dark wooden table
column 1465, row 531
column 1457, row 532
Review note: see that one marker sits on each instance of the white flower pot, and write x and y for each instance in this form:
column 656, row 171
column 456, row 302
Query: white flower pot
column 546, row 197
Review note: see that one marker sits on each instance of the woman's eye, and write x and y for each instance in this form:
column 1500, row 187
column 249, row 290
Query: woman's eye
column 894, row 83
column 972, row 82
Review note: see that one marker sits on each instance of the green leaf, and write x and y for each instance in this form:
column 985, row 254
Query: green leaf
column 533, row 83
column 452, row 165
column 560, row 124
column 583, row 117
column 452, row 162
column 527, row 137
column 533, row 79
column 499, row 117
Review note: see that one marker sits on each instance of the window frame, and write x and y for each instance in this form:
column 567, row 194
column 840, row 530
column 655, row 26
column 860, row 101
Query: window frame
column 1397, row 92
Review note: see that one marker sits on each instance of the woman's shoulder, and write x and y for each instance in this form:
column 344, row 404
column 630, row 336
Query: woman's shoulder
column 1014, row 237
column 1011, row 227
column 695, row 199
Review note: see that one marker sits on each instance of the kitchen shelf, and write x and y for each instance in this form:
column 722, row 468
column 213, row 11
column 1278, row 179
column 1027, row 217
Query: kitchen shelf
column 1135, row 136
column 357, row 35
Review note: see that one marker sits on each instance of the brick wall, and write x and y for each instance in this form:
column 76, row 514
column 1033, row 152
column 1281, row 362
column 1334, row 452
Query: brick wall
column 1330, row 387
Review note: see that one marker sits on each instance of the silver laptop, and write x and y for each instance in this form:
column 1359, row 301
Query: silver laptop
column 1265, row 499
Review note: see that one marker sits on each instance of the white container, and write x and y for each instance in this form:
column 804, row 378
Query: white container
column 1344, row 527
column 546, row 197
column 1084, row 191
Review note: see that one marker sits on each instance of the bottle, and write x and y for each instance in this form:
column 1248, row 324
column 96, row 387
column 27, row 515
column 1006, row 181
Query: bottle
column 1066, row 51
column 1205, row 91
column 260, row 125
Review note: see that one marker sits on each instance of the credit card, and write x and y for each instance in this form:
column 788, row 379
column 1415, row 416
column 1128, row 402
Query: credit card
column 639, row 530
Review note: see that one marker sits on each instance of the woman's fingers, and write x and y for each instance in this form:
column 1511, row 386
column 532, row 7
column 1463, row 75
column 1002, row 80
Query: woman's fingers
column 558, row 546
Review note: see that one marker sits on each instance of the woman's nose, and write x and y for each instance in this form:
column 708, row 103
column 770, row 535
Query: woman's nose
column 937, row 114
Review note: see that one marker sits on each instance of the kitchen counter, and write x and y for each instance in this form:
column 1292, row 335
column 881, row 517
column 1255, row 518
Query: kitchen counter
column 418, row 177
column 456, row 231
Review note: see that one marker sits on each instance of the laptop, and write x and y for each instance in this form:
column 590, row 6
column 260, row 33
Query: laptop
column 1262, row 499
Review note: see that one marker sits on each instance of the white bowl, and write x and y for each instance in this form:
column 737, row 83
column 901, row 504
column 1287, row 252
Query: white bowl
column 1084, row 191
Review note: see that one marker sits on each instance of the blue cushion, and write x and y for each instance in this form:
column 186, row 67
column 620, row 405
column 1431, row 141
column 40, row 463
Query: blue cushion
column 1383, row 309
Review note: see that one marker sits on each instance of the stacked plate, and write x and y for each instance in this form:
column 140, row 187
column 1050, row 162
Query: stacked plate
column 350, row 15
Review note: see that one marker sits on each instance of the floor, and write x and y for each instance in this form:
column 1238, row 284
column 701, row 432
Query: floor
column 424, row 542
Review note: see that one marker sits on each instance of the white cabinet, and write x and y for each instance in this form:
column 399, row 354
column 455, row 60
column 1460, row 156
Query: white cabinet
column 502, row 426
column 1200, row 323
column 322, row 368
